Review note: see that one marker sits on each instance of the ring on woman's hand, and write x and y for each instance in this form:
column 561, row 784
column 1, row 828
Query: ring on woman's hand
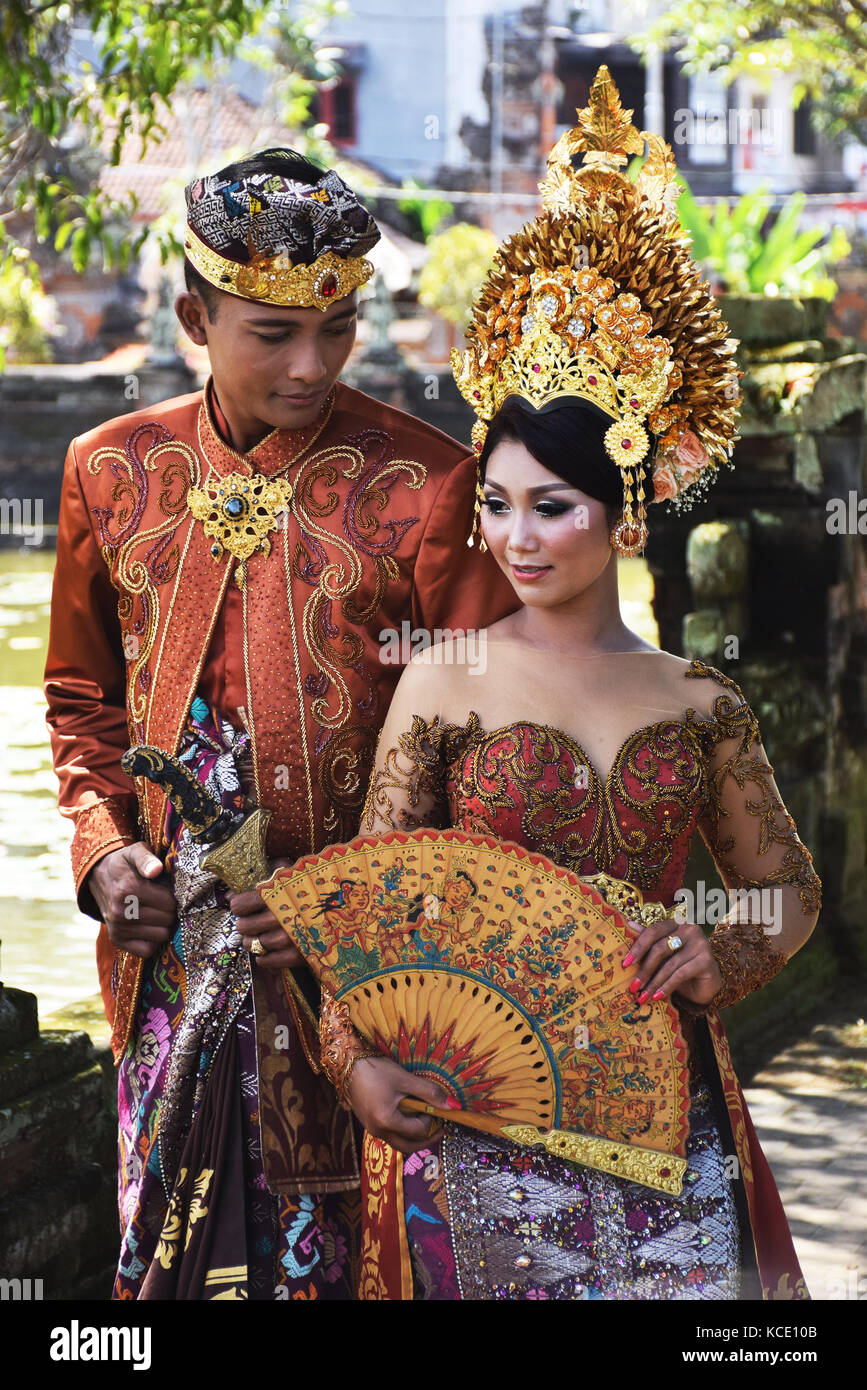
column 674, row 943
column 257, row 949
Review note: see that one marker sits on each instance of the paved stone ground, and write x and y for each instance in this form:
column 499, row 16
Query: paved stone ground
column 809, row 1105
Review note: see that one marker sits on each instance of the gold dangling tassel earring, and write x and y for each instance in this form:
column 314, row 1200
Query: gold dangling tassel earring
column 642, row 512
column 477, row 515
column 629, row 536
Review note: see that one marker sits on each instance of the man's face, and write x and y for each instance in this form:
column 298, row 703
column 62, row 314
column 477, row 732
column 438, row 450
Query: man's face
column 271, row 366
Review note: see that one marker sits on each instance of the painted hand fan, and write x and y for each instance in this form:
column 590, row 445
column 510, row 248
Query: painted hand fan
column 499, row 975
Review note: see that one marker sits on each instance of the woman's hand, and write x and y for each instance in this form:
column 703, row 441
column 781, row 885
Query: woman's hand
column 375, row 1089
column 256, row 922
column 691, row 971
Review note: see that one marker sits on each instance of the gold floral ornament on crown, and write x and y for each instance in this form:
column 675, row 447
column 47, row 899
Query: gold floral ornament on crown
column 275, row 280
column 598, row 299
column 238, row 512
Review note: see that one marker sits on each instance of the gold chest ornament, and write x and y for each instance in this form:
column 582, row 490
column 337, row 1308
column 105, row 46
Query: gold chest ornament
column 238, row 512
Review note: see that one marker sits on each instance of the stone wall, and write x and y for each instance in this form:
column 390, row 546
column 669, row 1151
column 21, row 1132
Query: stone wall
column 43, row 408
column 58, row 1156
column 761, row 564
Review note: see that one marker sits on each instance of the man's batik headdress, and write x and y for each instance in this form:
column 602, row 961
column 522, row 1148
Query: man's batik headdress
column 599, row 300
column 278, row 238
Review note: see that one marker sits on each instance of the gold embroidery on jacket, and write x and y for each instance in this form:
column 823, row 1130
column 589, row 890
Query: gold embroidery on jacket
column 343, row 771
column 343, row 765
column 296, row 668
column 338, row 582
column 137, row 578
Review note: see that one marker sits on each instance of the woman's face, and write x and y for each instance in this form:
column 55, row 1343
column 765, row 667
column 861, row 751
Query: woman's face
column 551, row 540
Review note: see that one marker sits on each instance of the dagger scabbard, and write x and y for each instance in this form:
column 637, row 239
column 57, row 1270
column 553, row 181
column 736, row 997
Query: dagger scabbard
column 238, row 858
column 241, row 861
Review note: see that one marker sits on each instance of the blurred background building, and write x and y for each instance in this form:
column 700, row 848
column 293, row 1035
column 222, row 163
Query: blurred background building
column 451, row 119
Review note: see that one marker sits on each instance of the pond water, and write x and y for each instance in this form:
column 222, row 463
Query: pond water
column 47, row 944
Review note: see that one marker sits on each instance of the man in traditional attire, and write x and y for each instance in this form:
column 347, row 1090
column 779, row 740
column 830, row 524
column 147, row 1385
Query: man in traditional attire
column 226, row 562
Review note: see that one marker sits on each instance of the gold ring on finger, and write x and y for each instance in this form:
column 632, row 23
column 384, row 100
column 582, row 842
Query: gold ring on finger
column 257, row 949
column 674, row 943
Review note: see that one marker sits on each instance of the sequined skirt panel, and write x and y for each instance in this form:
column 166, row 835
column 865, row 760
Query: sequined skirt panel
column 490, row 1220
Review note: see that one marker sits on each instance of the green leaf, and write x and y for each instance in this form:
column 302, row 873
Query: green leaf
column 64, row 232
column 785, row 225
column 80, row 248
column 695, row 221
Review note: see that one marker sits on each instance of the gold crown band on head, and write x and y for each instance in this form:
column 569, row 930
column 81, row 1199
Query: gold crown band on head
column 274, row 280
column 599, row 300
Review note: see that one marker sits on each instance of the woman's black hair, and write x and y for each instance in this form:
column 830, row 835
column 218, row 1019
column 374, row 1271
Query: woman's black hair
column 567, row 439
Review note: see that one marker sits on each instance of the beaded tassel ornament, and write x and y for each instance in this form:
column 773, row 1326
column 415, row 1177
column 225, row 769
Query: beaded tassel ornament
column 477, row 515
column 599, row 299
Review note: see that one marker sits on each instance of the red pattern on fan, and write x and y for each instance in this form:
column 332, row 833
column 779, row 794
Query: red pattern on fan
column 462, row 1070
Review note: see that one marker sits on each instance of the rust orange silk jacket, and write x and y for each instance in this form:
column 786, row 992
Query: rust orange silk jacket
column 143, row 616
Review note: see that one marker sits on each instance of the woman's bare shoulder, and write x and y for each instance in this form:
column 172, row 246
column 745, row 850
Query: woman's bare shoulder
column 435, row 679
column 685, row 684
column 703, row 684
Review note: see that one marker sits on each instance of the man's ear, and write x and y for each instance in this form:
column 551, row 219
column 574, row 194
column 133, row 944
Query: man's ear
column 193, row 316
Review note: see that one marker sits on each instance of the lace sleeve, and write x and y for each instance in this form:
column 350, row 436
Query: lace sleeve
column 407, row 786
column 406, row 791
column 774, row 892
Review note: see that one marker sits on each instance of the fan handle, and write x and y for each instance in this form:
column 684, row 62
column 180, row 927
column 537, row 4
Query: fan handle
column 662, row 1171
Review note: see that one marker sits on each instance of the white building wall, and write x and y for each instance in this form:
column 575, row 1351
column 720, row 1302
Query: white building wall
column 422, row 67
column 466, row 60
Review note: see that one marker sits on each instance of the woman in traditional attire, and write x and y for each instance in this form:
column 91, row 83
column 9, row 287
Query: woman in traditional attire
column 586, row 744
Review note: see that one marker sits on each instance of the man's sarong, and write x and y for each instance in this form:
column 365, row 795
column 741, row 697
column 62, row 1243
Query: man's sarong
column 197, row 1218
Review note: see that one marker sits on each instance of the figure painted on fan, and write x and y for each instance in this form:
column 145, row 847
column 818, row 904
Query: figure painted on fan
column 348, row 909
column 631, row 1115
column 444, row 916
column 618, row 1026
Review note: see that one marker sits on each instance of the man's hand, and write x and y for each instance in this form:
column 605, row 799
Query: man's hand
column 375, row 1089
column 134, row 898
column 257, row 922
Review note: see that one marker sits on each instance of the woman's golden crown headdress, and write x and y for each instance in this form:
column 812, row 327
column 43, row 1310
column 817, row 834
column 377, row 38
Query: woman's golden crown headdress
column 599, row 299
